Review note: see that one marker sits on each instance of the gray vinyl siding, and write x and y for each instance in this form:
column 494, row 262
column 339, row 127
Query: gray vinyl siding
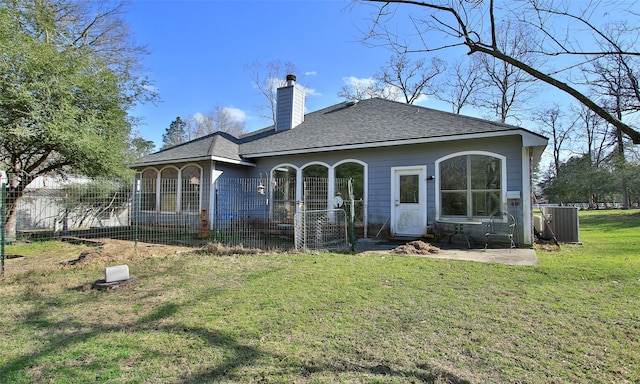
column 380, row 161
column 233, row 171
column 222, row 211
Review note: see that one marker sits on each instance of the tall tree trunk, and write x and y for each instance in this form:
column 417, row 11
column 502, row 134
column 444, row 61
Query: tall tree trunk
column 621, row 161
column 10, row 216
column 15, row 191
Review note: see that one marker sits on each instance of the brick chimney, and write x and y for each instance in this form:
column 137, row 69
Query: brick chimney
column 290, row 105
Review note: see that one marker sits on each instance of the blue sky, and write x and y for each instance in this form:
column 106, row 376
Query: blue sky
column 199, row 52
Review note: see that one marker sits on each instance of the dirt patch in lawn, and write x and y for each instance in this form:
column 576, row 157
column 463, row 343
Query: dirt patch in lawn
column 416, row 248
column 110, row 251
column 78, row 253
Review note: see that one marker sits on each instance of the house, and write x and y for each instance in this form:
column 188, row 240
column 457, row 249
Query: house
column 415, row 167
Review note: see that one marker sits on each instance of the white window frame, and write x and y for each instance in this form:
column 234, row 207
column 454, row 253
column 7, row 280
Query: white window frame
column 503, row 183
column 179, row 197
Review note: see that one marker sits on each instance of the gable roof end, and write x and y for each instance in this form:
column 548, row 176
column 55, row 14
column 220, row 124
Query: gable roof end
column 218, row 146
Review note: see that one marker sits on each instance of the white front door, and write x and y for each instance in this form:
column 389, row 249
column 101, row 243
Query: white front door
column 408, row 201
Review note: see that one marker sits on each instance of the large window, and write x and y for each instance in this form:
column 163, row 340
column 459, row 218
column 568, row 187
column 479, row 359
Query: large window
column 355, row 172
column 284, row 193
column 172, row 189
column 315, row 187
column 190, row 189
column 148, row 190
column 168, row 189
column 471, row 185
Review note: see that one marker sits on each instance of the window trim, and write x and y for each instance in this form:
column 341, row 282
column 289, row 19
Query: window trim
column 179, row 199
column 298, row 186
column 157, row 186
column 160, row 190
column 331, row 187
column 178, row 180
column 503, row 183
column 330, row 183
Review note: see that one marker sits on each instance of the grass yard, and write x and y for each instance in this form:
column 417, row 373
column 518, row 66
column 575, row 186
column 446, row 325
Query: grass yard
column 328, row 318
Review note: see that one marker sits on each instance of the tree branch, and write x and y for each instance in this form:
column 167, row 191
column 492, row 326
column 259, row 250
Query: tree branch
column 461, row 30
column 633, row 134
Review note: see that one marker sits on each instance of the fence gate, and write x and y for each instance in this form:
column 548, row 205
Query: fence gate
column 320, row 230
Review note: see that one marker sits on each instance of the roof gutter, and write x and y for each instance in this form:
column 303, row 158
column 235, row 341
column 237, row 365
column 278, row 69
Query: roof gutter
column 192, row 159
column 528, row 140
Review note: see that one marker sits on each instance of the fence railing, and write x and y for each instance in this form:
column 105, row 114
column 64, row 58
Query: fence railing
column 252, row 212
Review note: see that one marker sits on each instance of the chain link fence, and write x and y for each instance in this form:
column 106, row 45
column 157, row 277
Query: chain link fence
column 251, row 212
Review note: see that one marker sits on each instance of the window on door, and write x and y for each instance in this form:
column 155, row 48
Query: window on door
column 409, row 189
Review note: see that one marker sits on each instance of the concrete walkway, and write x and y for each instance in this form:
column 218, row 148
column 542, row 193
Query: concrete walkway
column 518, row 256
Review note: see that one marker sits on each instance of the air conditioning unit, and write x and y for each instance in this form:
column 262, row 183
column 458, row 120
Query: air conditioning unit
column 563, row 222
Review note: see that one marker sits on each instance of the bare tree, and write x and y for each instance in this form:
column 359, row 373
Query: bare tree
column 565, row 31
column 596, row 133
column 219, row 119
column 461, row 85
column 613, row 78
column 267, row 79
column 362, row 89
column 554, row 125
column 506, row 89
column 223, row 120
column 399, row 79
column 412, row 79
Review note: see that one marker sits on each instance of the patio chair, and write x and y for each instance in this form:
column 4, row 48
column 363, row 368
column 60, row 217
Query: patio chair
column 501, row 226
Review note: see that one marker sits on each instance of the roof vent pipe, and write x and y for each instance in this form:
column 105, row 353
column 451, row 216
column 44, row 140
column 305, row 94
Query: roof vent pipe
column 291, row 80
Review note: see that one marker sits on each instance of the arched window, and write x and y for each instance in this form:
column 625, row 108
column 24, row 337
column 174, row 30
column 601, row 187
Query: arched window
column 284, row 180
column 190, row 189
column 471, row 185
column 148, row 190
column 315, row 186
column 168, row 189
column 344, row 172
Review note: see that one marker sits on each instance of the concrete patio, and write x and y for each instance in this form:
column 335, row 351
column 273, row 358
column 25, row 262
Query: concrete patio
column 517, row 256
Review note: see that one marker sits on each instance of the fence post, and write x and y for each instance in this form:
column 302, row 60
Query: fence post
column 352, row 216
column 3, row 203
column 136, row 208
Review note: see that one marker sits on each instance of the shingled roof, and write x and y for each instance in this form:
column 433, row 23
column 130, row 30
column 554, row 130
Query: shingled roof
column 216, row 146
column 368, row 123
column 372, row 123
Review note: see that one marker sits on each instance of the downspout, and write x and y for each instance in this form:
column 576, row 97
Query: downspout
column 527, row 197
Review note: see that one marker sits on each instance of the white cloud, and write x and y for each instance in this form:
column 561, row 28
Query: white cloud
column 311, row 92
column 198, row 117
column 421, row 99
column 236, row 114
column 358, row 83
column 389, row 91
column 311, row 73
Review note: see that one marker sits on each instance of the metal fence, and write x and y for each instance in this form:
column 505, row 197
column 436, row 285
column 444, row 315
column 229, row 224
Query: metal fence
column 73, row 207
column 252, row 212
column 321, row 230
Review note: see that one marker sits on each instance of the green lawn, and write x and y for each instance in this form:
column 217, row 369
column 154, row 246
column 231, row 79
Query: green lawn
column 327, row 318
